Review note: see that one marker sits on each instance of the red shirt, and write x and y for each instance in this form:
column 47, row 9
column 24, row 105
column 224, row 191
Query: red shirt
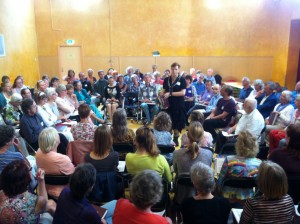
column 126, row 212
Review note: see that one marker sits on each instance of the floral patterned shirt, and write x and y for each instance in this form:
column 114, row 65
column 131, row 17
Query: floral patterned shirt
column 18, row 209
column 83, row 131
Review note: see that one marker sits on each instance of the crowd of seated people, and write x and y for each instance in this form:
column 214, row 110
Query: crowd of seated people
column 55, row 103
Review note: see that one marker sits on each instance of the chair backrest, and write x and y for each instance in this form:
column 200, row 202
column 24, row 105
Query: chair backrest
column 240, row 182
column 185, row 180
column 208, row 148
column 105, row 188
column 57, row 179
column 164, row 149
column 131, row 99
column 123, row 149
column 294, row 187
column 228, row 149
column 165, row 199
column 77, row 149
column 184, row 188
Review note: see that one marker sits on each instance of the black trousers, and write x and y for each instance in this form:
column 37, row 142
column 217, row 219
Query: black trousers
column 211, row 124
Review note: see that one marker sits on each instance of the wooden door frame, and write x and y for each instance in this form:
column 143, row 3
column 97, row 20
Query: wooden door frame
column 65, row 45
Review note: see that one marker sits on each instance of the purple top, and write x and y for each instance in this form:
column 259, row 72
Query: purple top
column 207, row 95
column 227, row 106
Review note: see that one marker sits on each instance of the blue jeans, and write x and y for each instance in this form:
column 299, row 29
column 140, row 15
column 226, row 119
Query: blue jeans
column 149, row 109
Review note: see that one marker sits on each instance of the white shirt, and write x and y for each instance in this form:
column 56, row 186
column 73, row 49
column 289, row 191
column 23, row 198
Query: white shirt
column 65, row 107
column 48, row 116
column 253, row 122
column 286, row 115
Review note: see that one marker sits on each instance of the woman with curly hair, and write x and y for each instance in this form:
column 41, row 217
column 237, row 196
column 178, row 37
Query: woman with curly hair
column 119, row 129
column 243, row 164
column 162, row 129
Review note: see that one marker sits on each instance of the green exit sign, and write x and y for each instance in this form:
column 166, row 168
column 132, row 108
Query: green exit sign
column 70, row 42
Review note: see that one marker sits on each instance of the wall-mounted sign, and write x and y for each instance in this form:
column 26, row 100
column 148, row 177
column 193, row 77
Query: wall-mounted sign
column 70, row 42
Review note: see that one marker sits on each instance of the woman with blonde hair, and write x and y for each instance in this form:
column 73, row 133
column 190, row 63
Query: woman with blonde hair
column 184, row 158
column 103, row 158
column 147, row 155
column 119, row 129
column 243, row 164
column 48, row 159
column 207, row 140
column 274, row 203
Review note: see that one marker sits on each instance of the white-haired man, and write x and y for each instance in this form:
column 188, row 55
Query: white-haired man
column 246, row 90
column 251, row 121
column 127, row 77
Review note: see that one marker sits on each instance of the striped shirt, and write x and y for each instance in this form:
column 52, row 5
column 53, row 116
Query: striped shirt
column 260, row 210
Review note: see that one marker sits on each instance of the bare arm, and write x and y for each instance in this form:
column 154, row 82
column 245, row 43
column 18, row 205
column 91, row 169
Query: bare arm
column 43, row 203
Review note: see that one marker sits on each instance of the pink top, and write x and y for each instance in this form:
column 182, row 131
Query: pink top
column 207, row 140
column 54, row 163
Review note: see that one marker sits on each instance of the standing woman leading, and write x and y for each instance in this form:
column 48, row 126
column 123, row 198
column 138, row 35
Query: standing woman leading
column 174, row 89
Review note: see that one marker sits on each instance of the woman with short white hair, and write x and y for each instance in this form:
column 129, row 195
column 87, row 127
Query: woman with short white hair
column 50, row 160
column 213, row 209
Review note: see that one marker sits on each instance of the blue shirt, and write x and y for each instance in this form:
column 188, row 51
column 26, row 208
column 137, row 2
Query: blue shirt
column 244, row 93
column 213, row 102
column 8, row 157
column 200, row 87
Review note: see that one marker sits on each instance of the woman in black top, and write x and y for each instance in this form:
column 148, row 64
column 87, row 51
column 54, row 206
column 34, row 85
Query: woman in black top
column 102, row 157
column 204, row 207
column 174, row 89
column 112, row 94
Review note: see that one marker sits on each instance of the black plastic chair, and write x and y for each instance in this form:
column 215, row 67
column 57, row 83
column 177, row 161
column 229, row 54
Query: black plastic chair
column 208, row 148
column 163, row 204
column 294, row 187
column 123, row 149
column 57, row 179
column 228, row 149
column 167, row 152
column 131, row 104
column 239, row 182
column 164, row 149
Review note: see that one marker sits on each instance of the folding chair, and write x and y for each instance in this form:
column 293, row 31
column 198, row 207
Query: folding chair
column 131, row 104
column 123, row 149
column 167, row 152
column 60, row 180
column 228, row 149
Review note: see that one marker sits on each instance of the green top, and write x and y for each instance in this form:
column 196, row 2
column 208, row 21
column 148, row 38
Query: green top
column 136, row 163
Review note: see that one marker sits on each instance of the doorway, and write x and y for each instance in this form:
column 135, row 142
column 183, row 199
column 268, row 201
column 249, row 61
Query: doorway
column 293, row 62
column 69, row 58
